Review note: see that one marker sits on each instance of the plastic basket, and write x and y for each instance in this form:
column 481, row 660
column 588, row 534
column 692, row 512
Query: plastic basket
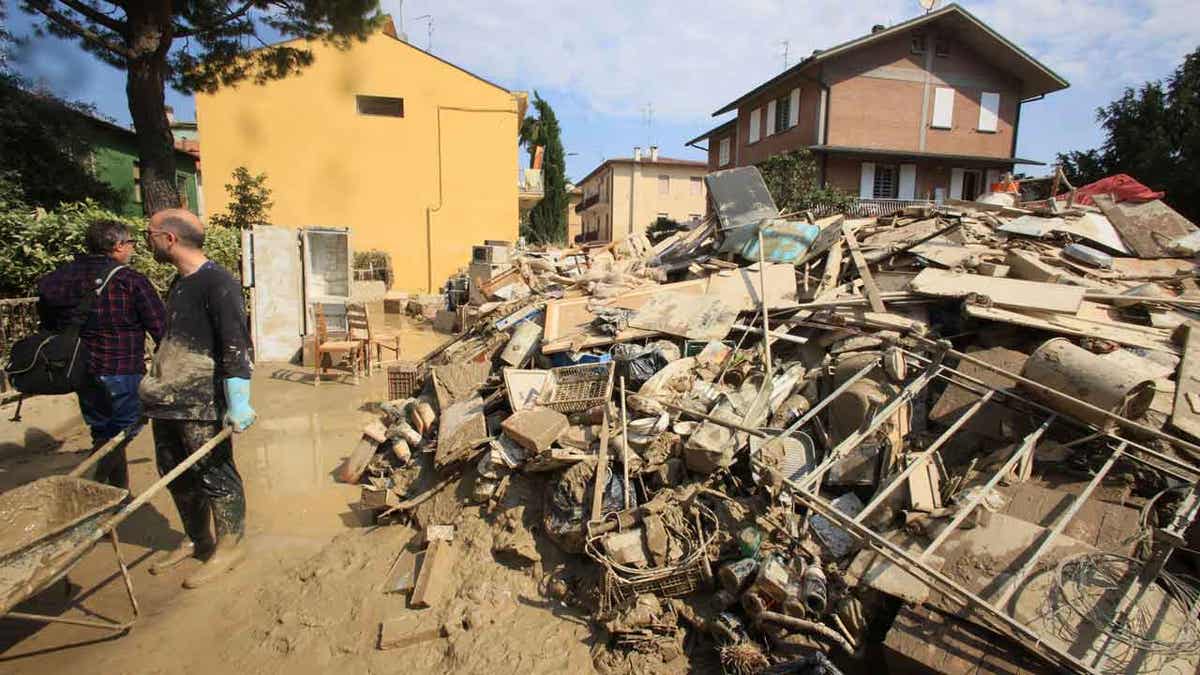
column 579, row 388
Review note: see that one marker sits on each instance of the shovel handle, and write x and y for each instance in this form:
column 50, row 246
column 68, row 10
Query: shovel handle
column 96, row 456
column 161, row 483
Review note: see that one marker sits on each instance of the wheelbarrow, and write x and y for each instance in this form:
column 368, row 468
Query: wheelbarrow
column 47, row 526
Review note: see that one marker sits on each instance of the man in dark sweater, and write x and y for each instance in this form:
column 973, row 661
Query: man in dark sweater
column 200, row 380
column 115, row 334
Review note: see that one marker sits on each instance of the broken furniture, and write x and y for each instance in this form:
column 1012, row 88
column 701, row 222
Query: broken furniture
column 353, row 349
column 379, row 340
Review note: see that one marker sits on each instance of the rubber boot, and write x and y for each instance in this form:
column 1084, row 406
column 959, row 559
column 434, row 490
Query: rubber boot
column 199, row 543
column 229, row 518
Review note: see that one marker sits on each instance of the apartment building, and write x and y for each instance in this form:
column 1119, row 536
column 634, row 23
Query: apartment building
column 926, row 109
column 627, row 194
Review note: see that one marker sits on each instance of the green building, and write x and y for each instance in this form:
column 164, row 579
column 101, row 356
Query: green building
column 115, row 162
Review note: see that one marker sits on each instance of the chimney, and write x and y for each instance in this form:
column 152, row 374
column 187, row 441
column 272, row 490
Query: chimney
column 876, row 28
column 637, row 153
column 170, row 115
column 654, row 153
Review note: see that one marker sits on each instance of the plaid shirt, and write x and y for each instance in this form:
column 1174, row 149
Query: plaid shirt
column 115, row 333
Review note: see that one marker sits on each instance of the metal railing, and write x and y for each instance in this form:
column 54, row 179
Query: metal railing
column 868, row 208
column 587, row 203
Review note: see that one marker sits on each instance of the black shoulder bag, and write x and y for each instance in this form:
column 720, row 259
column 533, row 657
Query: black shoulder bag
column 49, row 362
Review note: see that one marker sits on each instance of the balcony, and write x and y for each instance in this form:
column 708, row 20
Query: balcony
column 871, row 208
column 587, row 203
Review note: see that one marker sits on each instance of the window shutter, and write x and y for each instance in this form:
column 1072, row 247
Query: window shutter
column 866, row 183
column 794, row 108
column 989, row 108
column 770, row 123
column 723, row 152
column 993, row 177
column 908, row 182
column 755, row 118
column 943, row 108
column 956, row 181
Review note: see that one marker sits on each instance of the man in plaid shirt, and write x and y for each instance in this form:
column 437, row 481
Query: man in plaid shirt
column 115, row 335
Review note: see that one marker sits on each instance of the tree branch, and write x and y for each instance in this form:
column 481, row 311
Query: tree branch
column 96, row 15
column 188, row 31
column 87, row 34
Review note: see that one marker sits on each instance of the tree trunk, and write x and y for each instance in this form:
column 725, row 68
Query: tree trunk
column 150, row 35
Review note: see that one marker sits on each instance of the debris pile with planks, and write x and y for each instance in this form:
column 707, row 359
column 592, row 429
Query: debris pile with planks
column 961, row 436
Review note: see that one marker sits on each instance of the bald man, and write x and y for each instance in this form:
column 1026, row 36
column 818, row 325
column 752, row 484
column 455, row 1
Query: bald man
column 200, row 380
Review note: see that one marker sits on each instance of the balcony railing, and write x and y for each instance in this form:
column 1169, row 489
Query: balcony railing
column 870, row 208
column 587, row 203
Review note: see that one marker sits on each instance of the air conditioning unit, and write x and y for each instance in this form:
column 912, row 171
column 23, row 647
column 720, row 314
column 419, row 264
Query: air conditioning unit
column 494, row 255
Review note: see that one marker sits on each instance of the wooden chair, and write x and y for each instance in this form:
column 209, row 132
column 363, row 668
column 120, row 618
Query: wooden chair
column 354, row 349
column 379, row 340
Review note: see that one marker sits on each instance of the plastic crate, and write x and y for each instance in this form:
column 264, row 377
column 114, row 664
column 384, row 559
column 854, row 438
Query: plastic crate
column 579, row 388
column 404, row 380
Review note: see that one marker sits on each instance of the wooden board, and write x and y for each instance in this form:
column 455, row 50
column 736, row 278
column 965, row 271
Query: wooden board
column 1009, row 293
column 1147, row 227
column 434, row 576
column 1183, row 417
column 739, row 288
column 695, row 317
column 923, row 640
column 1068, row 324
column 570, row 318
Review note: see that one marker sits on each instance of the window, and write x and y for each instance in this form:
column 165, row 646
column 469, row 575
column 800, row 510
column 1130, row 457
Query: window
column 137, row 181
column 794, row 108
column 941, row 47
column 664, row 216
column 755, row 116
column 783, row 109
column 723, row 152
column 989, row 108
column 918, row 43
column 694, row 217
column 697, row 184
column 664, row 185
column 943, row 108
column 385, row 106
column 181, row 187
column 886, row 181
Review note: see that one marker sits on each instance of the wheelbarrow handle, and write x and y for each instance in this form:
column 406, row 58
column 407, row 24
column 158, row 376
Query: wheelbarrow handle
column 98, row 455
column 171, row 475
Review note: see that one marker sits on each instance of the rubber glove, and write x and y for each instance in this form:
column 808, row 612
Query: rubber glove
column 238, row 412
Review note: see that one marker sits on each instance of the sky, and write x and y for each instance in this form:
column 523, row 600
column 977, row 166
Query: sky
column 604, row 66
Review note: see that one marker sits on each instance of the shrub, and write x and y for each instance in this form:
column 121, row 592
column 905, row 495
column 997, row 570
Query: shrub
column 794, row 182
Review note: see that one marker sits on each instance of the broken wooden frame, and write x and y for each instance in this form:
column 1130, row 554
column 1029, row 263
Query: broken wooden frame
column 991, row 615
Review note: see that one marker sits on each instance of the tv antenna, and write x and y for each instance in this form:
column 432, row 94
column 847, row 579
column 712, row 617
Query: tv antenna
column 428, row 19
column 786, row 44
column 648, row 117
column 928, row 5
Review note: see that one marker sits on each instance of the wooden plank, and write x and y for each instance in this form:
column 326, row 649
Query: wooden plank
column 864, row 271
column 1147, row 227
column 695, row 317
column 406, row 632
column 1008, row 293
column 601, row 469
column 1187, row 386
column 740, row 288
column 1129, row 334
column 434, row 577
column 833, row 270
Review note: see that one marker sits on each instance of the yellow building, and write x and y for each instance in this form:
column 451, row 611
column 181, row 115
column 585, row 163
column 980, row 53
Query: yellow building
column 415, row 155
column 627, row 194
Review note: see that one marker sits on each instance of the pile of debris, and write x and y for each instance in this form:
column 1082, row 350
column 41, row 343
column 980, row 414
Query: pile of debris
column 958, row 434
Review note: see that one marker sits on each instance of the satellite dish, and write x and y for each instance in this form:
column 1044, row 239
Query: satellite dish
column 928, row 5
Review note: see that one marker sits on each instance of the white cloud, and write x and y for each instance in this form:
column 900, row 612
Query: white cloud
column 690, row 57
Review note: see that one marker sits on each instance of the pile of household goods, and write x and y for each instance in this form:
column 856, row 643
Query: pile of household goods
column 956, row 438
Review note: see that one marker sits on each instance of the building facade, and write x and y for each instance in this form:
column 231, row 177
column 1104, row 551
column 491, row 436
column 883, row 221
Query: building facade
column 115, row 162
column 926, row 109
column 627, row 194
column 415, row 155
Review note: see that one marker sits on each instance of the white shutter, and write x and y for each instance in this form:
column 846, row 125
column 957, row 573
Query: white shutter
column 755, row 116
column 794, row 108
column 769, row 123
column 989, row 108
column 956, row 181
column 943, row 108
column 866, row 182
column 723, row 153
column 908, row 182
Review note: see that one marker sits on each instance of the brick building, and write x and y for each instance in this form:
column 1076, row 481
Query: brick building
column 926, row 109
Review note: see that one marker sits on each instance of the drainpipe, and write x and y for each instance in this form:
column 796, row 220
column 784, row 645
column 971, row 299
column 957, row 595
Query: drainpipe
column 430, row 210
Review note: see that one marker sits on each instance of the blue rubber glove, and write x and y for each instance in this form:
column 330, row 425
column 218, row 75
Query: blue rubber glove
column 238, row 412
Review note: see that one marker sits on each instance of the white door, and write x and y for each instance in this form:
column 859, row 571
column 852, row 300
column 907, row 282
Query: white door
column 327, row 274
column 271, row 267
